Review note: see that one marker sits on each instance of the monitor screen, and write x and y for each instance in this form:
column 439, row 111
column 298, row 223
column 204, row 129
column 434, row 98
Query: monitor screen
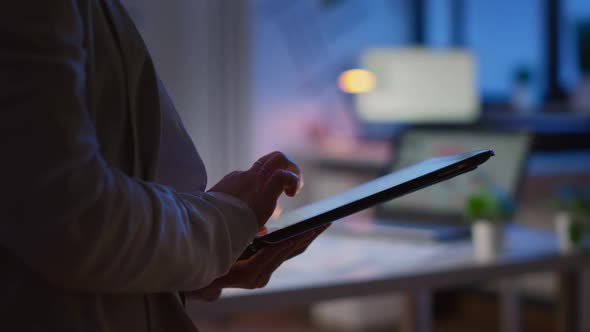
column 419, row 86
column 503, row 171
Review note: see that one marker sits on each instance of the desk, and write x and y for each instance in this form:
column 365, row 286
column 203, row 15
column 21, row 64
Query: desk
column 338, row 266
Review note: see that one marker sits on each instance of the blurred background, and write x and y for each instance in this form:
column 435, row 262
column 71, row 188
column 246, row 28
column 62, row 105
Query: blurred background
column 354, row 89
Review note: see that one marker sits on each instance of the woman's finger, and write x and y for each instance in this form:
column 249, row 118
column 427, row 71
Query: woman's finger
column 269, row 253
column 309, row 236
column 282, row 161
column 256, row 271
column 262, row 265
column 293, row 167
column 262, row 160
column 245, row 273
column 305, row 243
column 271, row 267
column 277, row 161
column 280, row 181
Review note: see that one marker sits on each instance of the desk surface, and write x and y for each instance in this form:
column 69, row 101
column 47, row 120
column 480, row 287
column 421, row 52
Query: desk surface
column 338, row 266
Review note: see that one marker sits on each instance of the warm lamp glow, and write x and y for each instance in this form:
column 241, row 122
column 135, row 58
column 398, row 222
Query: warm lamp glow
column 357, row 81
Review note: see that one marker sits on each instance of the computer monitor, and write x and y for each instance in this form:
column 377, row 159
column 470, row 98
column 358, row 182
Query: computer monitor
column 446, row 200
column 418, row 86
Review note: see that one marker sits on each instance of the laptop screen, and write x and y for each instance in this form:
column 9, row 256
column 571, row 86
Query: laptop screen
column 448, row 198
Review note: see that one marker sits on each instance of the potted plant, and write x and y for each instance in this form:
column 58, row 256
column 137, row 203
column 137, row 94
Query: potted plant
column 487, row 210
column 572, row 218
column 522, row 92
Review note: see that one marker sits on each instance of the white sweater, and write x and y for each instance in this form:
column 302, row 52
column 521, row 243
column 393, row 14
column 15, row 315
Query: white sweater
column 104, row 213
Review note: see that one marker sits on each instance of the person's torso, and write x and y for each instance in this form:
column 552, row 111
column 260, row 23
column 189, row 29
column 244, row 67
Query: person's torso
column 141, row 135
column 137, row 126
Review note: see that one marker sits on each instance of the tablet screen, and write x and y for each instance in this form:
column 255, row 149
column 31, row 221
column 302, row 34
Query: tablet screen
column 370, row 188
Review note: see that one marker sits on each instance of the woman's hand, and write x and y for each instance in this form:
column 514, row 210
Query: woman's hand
column 256, row 271
column 261, row 185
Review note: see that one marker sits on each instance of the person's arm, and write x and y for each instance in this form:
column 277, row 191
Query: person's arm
column 256, row 271
column 72, row 219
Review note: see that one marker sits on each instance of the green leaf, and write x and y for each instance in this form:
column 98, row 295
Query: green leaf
column 576, row 231
column 489, row 204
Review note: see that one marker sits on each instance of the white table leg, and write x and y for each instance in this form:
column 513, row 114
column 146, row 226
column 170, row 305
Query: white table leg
column 510, row 308
column 418, row 315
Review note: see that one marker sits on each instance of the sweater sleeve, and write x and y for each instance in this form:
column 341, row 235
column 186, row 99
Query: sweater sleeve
column 71, row 218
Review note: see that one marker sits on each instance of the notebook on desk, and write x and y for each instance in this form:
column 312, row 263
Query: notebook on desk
column 436, row 213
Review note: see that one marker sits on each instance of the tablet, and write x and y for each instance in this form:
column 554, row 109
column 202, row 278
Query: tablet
column 385, row 188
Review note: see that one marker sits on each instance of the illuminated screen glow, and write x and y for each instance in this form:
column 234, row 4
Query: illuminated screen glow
column 448, row 197
column 419, row 86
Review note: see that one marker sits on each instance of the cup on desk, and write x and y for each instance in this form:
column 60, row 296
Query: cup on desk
column 487, row 239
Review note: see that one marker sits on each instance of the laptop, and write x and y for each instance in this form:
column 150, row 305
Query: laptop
column 436, row 213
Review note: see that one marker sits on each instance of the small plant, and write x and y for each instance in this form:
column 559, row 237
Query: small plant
column 523, row 75
column 576, row 203
column 574, row 200
column 490, row 204
column 487, row 209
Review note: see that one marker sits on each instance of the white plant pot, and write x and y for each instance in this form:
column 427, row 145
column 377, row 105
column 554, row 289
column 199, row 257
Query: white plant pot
column 580, row 100
column 487, row 239
column 522, row 98
column 563, row 223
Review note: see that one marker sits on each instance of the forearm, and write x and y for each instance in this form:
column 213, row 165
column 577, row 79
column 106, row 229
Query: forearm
column 95, row 229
